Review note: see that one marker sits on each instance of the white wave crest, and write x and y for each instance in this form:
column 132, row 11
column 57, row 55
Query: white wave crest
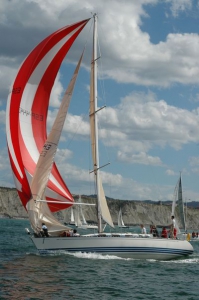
column 96, row 256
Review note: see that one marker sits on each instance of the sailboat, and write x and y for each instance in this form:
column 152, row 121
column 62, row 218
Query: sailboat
column 72, row 219
column 120, row 220
column 178, row 200
column 38, row 181
column 80, row 221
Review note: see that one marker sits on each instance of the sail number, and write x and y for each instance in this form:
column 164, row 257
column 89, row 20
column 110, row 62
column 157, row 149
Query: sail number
column 16, row 90
column 47, row 146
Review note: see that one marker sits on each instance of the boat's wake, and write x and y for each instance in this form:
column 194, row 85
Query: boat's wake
column 193, row 260
column 78, row 254
column 97, row 256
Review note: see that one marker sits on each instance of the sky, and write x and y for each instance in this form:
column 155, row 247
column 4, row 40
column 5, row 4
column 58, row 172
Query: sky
column 148, row 79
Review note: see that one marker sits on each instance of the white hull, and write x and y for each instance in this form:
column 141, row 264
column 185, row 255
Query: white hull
column 131, row 247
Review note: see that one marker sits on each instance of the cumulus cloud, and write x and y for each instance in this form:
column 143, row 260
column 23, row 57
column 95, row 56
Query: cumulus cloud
column 75, row 126
column 138, row 124
column 174, row 60
column 115, row 185
column 141, row 122
column 178, row 6
column 170, row 172
column 141, row 158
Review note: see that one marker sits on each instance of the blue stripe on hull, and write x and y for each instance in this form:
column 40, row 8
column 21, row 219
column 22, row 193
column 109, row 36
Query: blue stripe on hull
column 124, row 250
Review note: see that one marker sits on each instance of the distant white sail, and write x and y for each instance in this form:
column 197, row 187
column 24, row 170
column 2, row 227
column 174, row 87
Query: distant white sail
column 178, row 201
column 72, row 218
column 120, row 220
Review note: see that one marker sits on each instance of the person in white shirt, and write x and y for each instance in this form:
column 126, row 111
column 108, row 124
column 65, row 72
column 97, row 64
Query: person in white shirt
column 143, row 229
column 173, row 227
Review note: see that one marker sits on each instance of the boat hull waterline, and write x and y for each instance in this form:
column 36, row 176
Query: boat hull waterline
column 137, row 248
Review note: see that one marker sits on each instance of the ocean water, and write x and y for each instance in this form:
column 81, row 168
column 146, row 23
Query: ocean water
column 24, row 274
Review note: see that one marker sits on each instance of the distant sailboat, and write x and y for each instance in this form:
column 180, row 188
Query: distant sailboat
column 39, row 184
column 178, row 200
column 72, row 219
column 120, row 220
column 80, row 220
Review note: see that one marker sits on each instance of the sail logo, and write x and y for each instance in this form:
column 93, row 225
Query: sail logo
column 30, row 113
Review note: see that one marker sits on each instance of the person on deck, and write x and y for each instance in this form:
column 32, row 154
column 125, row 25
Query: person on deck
column 164, row 233
column 143, row 229
column 154, row 231
column 193, row 234
column 75, row 233
column 45, row 230
column 173, row 230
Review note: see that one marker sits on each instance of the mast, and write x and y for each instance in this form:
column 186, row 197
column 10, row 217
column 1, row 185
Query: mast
column 102, row 207
column 96, row 123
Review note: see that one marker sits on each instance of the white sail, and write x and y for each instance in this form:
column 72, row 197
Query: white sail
column 103, row 210
column 82, row 216
column 120, row 221
column 178, row 201
column 78, row 221
column 39, row 211
column 83, row 220
column 72, row 218
column 181, row 205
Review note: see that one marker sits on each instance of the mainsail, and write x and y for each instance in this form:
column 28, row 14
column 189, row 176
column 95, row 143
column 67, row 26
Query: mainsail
column 181, row 204
column 103, row 210
column 27, row 109
column 178, row 200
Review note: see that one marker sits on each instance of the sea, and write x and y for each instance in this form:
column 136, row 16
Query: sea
column 24, row 274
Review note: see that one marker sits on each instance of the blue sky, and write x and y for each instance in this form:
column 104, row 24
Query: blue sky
column 149, row 82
